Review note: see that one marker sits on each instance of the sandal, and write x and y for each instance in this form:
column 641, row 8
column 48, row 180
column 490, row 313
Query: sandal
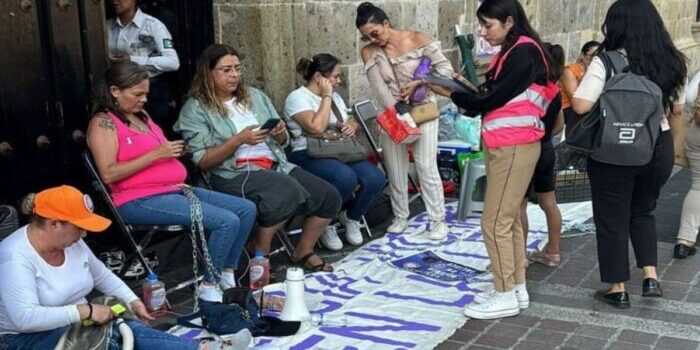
column 321, row 267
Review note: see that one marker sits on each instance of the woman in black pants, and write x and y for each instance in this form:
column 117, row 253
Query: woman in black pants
column 624, row 197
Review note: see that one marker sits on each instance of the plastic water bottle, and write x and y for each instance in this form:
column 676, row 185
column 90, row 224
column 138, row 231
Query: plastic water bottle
column 423, row 69
column 154, row 296
column 259, row 271
column 329, row 320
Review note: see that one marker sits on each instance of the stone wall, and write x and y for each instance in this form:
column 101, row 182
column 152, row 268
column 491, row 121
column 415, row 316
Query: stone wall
column 273, row 34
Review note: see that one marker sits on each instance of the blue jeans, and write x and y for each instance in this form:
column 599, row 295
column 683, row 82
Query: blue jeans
column 145, row 338
column 345, row 177
column 227, row 220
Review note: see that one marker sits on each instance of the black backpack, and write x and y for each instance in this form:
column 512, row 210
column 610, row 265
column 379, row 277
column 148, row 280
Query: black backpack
column 623, row 126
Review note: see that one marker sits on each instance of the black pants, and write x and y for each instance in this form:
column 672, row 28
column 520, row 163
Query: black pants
column 624, row 198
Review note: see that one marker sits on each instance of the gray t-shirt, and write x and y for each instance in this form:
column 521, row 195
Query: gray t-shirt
column 300, row 100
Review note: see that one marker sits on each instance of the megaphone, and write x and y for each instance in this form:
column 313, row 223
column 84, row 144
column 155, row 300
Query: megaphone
column 294, row 305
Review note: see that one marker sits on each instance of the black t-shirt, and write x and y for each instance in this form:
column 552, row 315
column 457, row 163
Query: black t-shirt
column 550, row 117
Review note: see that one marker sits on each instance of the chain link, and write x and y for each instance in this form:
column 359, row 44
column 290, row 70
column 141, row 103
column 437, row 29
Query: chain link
column 197, row 232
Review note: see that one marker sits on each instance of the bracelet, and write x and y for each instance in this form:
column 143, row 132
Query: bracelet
column 331, row 96
column 90, row 313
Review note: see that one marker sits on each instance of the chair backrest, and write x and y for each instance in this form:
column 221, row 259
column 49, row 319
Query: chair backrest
column 100, row 187
column 366, row 111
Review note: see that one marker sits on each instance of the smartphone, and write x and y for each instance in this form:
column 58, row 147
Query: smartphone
column 270, row 124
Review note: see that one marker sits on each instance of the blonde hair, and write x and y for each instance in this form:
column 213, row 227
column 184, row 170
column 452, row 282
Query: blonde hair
column 202, row 87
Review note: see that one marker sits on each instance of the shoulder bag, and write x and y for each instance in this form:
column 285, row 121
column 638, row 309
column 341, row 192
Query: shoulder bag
column 333, row 144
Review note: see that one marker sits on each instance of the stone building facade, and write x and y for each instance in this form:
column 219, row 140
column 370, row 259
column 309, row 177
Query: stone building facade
column 272, row 35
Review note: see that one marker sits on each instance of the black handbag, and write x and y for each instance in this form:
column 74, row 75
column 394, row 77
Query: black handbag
column 585, row 134
column 334, row 144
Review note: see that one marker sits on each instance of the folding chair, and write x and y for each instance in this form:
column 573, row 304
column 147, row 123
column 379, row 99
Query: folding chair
column 128, row 230
column 366, row 112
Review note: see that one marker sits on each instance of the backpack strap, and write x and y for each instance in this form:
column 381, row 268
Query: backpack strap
column 185, row 320
column 614, row 61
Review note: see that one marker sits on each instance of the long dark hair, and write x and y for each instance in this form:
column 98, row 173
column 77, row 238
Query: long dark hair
column 557, row 60
column 501, row 10
column 322, row 63
column 636, row 26
column 123, row 75
column 367, row 12
column 202, row 87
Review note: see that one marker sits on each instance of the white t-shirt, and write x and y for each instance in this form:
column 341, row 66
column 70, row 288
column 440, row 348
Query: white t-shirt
column 591, row 87
column 302, row 99
column 242, row 118
column 36, row 296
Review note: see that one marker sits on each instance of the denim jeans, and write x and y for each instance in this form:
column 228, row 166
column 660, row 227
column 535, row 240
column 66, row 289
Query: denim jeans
column 345, row 177
column 145, row 338
column 227, row 220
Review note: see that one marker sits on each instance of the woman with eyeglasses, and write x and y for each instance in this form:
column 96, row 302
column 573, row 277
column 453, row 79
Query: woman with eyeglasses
column 573, row 73
column 391, row 58
column 314, row 109
column 147, row 181
column 226, row 125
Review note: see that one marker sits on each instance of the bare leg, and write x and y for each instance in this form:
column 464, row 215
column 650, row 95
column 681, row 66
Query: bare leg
column 548, row 203
column 311, row 232
column 649, row 272
column 263, row 239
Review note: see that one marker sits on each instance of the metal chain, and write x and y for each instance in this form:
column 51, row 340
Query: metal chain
column 197, row 231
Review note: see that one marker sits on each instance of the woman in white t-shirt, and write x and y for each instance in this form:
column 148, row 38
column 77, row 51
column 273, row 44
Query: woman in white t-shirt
column 48, row 271
column 624, row 197
column 315, row 108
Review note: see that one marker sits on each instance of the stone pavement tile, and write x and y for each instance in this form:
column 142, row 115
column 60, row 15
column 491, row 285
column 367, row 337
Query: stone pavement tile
column 694, row 295
column 620, row 345
column 587, row 343
column 556, row 300
column 631, row 336
column 496, row 341
column 521, row 320
column 478, row 347
column 537, row 276
column 450, row 345
column 679, row 274
column 476, row 325
column 464, row 335
column 556, row 325
column 677, row 343
column 565, row 279
column 507, row 330
column 533, row 345
column 596, row 331
column 545, row 336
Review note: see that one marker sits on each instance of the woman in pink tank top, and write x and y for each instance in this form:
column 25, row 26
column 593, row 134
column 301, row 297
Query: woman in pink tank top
column 140, row 167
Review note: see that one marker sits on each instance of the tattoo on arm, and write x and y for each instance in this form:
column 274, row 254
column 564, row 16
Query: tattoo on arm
column 107, row 123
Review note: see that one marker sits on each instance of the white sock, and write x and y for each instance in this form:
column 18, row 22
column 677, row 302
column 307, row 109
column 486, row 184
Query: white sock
column 228, row 280
column 209, row 293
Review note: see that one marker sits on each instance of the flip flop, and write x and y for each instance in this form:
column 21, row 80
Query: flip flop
column 321, row 267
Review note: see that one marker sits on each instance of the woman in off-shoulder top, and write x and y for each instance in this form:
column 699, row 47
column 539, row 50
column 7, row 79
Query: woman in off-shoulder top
column 404, row 49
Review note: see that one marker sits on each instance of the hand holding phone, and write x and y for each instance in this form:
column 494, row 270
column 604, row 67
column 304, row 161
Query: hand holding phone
column 270, row 124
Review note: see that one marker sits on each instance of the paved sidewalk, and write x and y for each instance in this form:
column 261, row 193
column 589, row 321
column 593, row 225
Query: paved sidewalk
column 564, row 315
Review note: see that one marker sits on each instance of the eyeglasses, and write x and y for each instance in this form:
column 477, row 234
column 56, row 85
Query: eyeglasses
column 373, row 35
column 230, row 69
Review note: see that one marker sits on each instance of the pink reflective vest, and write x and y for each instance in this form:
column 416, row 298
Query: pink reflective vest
column 518, row 121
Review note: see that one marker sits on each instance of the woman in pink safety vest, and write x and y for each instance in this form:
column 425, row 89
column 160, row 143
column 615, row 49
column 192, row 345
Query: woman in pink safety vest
column 514, row 97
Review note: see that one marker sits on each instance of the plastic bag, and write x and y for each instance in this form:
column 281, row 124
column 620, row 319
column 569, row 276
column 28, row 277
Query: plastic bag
column 446, row 129
column 468, row 129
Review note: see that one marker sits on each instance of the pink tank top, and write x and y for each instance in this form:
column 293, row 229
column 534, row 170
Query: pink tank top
column 162, row 176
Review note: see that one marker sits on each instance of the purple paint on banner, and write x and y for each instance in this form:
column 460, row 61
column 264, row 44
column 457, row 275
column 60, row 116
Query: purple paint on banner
column 461, row 286
column 466, row 255
column 358, row 332
column 330, row 306
column 308, row 343
column 535, row 244
column 362, row 258
column 191, row 334
column 476, row 237
column 404, row 242
column 369, row 280
column 263, row 342
column 461, row 302
column 343, row 287
column 328, row 293
column 350, row 348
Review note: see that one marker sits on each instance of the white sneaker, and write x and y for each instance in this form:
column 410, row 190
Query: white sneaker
column 520, row 293
column 500, row 305
column 330, row 239
column 439, row 231
column 208, row 292
column 228, row 280
column 353, row 233
column 398, row 225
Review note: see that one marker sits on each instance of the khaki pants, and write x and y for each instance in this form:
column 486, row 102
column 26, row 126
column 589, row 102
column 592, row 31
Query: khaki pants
column 508, row 173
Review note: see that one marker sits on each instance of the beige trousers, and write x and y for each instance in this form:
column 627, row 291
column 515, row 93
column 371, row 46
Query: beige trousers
column 425, row 156
column 508, row 173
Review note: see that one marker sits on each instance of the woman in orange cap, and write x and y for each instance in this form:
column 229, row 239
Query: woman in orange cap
column 47, row 271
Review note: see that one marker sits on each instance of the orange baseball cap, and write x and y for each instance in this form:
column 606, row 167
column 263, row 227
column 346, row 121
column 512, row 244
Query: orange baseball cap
column 67, row 203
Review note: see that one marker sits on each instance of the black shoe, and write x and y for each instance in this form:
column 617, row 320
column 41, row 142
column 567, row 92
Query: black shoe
column 682, row 251
column 651, row 288
column 620, row 300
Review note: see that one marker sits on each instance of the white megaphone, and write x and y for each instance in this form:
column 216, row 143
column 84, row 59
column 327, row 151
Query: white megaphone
column 294, row 304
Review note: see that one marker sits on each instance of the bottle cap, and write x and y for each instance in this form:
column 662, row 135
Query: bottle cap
column 259, row 254
column 152, row 277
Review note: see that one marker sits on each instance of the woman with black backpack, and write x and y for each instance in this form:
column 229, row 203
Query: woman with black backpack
column 624, row 196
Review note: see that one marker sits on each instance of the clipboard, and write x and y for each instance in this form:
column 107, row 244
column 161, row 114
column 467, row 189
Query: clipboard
column 451, row 83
